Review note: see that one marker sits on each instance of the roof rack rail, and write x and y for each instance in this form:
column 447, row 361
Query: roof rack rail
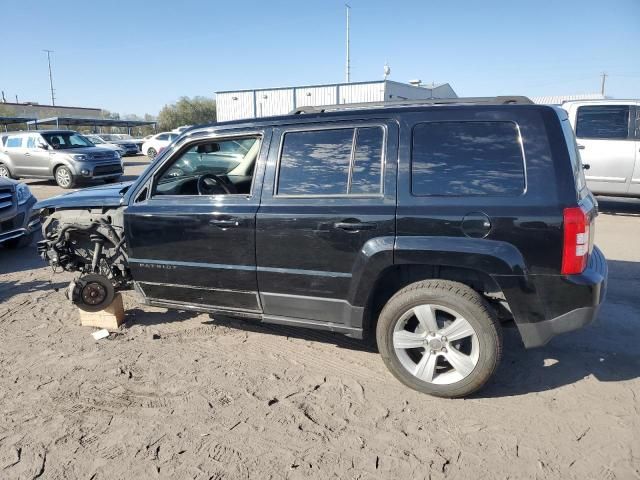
column 499, row 100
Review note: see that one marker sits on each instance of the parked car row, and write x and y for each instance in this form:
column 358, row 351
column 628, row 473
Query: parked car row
column 126, row 146
column 62, row 155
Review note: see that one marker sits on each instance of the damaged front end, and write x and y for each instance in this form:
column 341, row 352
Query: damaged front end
column 91, row 242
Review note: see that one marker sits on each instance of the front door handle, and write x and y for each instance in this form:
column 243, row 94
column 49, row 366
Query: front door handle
column 225, row 222
column 27, row 154
column 355, row 226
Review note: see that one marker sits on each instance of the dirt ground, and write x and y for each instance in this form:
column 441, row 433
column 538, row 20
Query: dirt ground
column 180, row 395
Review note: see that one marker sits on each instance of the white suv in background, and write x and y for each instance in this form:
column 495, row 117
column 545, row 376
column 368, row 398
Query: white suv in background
column 608, row 136
column 152, row 146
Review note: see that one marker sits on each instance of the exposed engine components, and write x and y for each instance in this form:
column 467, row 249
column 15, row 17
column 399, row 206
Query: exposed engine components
column 90, row 242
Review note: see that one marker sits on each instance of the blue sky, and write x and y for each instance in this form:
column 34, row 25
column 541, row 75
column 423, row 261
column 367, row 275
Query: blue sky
column 134, row 56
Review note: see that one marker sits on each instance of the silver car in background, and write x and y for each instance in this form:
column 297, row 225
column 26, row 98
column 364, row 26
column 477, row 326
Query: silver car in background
column 608, row 138
column 62, row 155
column 98, row 141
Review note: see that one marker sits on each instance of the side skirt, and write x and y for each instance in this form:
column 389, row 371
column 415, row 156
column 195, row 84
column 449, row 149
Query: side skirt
column 272, row 319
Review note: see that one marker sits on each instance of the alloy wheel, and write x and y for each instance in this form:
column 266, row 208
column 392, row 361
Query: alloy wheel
column 63, row 177
column 4, row 172
column 436, row 344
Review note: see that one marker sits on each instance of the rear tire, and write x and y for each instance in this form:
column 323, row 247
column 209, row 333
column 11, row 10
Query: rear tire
column 64, row 177
column 5, row 172
column 440, row 337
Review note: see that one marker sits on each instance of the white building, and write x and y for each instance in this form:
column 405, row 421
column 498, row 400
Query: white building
column 238, row 104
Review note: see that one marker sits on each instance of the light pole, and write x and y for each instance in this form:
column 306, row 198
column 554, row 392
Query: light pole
column 53, row 98
column 348, row 66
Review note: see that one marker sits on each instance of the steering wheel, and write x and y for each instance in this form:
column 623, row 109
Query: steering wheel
column 209, row 183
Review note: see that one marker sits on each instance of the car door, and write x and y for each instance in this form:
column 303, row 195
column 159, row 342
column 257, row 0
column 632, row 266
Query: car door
column 193, row 250
column 328, row 203
column 15, row 148
column 36, row 158
column 604, row 138
column 634, row 187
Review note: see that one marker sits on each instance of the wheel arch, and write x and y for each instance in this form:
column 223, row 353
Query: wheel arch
column 62, row 163
column 487, row 266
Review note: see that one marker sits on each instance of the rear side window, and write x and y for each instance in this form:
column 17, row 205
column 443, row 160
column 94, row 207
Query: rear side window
column 14, row 142
column 467, row 158
column 603, row 121
column 344, row 161
column 574, row 155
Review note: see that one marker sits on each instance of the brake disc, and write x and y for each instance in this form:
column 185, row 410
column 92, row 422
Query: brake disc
column 92, row 292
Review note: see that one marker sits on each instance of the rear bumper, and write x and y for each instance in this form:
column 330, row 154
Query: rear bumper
column 591, row 286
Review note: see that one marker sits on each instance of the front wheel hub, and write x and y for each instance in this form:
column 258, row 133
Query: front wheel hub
column 92, row 293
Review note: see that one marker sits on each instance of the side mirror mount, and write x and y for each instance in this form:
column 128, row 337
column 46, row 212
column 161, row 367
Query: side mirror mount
column 208, row 148
column 43, row 146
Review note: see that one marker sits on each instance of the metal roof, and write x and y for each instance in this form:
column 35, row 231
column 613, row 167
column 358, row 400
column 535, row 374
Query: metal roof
column 5, row 121
column 93, row 122
column 371, row 82
column 560, row 99
column 12, row 120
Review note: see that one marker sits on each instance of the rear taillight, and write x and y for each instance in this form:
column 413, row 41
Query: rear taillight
column 575, row 251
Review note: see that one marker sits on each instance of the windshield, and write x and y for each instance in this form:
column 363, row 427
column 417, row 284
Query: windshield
column 66, row 140
column 94, row 139
column 109, row 138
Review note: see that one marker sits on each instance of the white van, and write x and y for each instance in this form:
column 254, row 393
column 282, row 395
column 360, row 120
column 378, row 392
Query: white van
column 608, row 136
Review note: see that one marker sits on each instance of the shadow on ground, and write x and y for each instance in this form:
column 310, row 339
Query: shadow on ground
column 607, row 350
column 629, row 207
column 21, row 259
column 9, row 289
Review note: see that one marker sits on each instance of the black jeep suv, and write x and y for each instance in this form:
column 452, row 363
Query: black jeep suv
column 423, row 225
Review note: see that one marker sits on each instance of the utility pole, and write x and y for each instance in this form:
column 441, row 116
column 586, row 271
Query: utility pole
column 348, row 66
column 604, row 77
column 53, row 98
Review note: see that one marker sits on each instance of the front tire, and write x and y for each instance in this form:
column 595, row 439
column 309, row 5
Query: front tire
column 64, row 177
column 440, row 337
column 151, row 153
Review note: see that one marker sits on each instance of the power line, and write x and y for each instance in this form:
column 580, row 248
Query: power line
column 53, row 98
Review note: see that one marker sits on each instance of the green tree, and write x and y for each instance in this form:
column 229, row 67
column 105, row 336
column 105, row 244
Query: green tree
column 187, row 111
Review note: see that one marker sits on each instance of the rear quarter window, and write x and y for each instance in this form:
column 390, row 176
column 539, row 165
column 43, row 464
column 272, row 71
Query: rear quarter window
column 574, row 155
column 14, row 142
column 456, row 158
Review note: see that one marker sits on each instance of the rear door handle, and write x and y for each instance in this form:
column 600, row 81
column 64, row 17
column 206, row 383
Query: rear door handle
column 355, row 226
column 225, row 222
column 581, row 147
column 27, row 154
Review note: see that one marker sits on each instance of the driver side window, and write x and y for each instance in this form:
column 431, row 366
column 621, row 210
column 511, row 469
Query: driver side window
column 211, row 167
